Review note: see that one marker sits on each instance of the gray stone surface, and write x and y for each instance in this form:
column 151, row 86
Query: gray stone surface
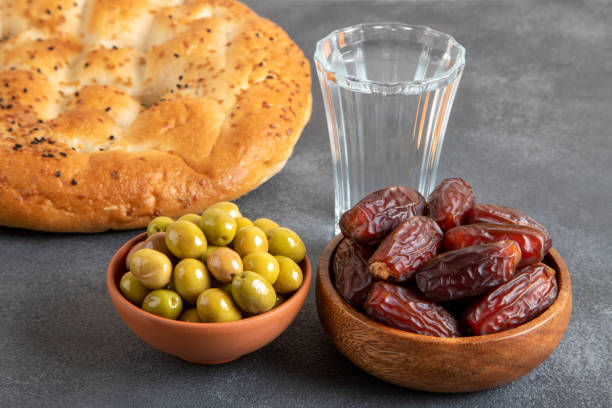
column 530, row 129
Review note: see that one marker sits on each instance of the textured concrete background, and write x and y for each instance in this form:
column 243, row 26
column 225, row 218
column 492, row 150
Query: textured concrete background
column 530, row 129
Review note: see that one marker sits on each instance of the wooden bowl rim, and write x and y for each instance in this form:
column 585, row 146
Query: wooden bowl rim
column 328, row 289
column 113, row 291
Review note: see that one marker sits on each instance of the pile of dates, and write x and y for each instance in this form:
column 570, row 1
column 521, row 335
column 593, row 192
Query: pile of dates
column 444, row 267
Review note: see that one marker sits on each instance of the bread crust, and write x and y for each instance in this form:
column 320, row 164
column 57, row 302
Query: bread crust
column 104, row 128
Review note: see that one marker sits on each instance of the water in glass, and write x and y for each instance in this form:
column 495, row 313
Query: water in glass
column 387, row 98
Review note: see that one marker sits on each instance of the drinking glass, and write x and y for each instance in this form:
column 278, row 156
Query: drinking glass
column 388, row 90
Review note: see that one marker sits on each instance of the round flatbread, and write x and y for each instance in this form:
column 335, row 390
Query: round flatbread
column 113, row 112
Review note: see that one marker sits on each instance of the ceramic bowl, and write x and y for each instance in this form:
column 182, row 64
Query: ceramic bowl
column 203, row 343
column 441, row 364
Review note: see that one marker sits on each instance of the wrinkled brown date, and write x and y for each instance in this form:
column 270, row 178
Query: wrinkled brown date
column 531, row 241
column 529, row 293
column 405, row 309
column 450, row 202
column 496, row 214
column 469, row 271
column 380, row 212
column 352, row 278
column 412, row 244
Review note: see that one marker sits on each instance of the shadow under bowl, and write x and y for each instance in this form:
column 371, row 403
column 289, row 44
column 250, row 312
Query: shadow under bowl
column 203, row 343
column 436, row 364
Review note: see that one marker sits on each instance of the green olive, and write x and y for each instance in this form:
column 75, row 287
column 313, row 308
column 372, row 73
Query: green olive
column 227, row 288
column 132, row 289
column 195, row 218
column 190, row 315
column 135, row 248
column 218, row 226
column 214, row 306
column 152, row 268
column 157, row 242
column 287, row 243
column 224, row 263
column 265, row 224
column 209, row 250
column 190, row 279
column 253, row 292
column 249, row 240
column 185, row 239
column 243, row 222
column 158, row 224
column 164, row 303
column 262, row 263
column 279, row 300
column 290, row 276
column 230, row 208
column 170, row 286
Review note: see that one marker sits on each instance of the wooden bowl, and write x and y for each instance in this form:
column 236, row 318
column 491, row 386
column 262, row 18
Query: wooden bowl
column 203, row 343
column 441, row 364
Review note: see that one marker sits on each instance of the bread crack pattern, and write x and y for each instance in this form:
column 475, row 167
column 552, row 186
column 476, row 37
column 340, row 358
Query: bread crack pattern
column 192, row 102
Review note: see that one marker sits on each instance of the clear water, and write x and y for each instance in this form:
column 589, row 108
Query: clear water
column 385, row 127
column 388, row 60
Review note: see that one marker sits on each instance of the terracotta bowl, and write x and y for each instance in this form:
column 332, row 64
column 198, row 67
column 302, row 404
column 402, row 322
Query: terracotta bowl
column 203, row 343
column 441, row 364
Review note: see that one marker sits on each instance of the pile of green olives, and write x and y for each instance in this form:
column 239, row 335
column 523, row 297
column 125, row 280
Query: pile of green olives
column 215, row 267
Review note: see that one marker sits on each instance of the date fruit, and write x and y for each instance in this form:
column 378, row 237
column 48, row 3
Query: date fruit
column 450, row 202
column 352, row 278
column 531, row 241
column 380, row 212
column 529, row 293
column 496, row 214
column 468, row 271
column 405, row 309
column 410, row 246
